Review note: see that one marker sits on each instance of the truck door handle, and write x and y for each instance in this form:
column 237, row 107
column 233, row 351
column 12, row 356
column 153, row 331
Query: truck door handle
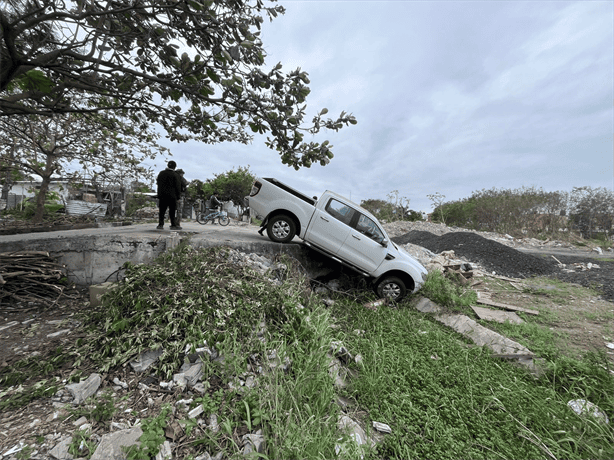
column 324, row 218
column 356, row 236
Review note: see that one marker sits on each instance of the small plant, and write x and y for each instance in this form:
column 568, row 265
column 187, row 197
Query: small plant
column 25, row 453
column 97, row 410
column 152, row 437
column 445, row 292
column 210, row 403
column 81, row 444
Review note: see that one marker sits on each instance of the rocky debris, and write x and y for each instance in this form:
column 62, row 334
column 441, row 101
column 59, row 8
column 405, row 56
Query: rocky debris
column 489, row 254
column 192, row 376
column 111, row 444
column 253, row 442
column 488, row 314
column 480, row 335
column 145, row 360
column 83, row 390
column 148, row 212
column 586, row 408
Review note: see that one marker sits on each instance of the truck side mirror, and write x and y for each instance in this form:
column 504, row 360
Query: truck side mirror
column 384, row 243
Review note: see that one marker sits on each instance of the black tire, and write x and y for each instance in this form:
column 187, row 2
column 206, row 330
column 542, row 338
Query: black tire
column 281, row 229
column 200, row 218
column 223, row 221
column 391, row 287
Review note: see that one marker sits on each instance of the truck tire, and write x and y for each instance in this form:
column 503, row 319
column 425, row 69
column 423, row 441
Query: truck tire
column 391, row 287
column 281, row 229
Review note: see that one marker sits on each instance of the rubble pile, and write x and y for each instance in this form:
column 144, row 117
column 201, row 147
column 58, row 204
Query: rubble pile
column 489, row 254
column 146, row 213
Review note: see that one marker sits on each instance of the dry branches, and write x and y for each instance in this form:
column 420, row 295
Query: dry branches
column 30, row 277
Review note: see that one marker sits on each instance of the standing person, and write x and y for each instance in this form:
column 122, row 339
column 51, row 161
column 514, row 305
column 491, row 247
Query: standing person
column 214, row 203
column 169, row 191
column 184, row 188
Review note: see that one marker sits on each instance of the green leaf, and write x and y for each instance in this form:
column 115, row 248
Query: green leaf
column 36, row 80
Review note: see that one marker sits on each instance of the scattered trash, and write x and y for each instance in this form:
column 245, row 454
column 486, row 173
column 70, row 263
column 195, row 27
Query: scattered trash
column 584, row 407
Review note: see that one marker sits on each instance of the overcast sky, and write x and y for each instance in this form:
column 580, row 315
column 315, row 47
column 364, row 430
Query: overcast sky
column 450, row 97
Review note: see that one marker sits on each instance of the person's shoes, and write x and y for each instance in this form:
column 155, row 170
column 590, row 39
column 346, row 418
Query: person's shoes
column 261, row 230
column 175, row 227
column 160, row 227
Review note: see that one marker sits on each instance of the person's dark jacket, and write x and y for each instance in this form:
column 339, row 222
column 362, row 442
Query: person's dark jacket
column 169, row 184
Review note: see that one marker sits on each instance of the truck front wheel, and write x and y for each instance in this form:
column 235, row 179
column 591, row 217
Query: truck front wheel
column 391, row 287
column 281, row 229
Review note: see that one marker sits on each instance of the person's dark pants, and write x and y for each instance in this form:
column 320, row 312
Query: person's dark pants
column 169, row 203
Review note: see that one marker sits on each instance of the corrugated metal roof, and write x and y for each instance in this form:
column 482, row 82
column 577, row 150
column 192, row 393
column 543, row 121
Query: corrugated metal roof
column 82, row 208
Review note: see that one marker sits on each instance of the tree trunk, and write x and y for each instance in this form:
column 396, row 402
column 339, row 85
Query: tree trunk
column 42, row 193
column 40, row 200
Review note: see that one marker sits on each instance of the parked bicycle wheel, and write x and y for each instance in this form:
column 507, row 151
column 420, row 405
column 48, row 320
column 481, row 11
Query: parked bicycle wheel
column 224, row 220
column 201, row 218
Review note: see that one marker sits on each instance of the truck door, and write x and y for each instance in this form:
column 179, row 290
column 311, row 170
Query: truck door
column 329, row 227
column 363, row 246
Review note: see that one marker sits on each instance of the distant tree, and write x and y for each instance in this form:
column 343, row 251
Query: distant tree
column 90, row 56
column 592, row 210
column 413, row 216
column 381, row 209
column 527, row 211
column 233, row 185
column 48, row 146
column 439, row 214
column 396, row 208
column 399, row 204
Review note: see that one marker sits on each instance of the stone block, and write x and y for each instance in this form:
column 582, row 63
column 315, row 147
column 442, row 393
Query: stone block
column 97, row 290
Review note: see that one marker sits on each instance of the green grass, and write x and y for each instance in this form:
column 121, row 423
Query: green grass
column 442, row 397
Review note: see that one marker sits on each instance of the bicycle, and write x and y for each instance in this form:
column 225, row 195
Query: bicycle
column 204, row 217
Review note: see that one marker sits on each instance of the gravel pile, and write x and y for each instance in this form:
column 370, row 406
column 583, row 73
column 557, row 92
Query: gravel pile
column 491, row 255
column 601, row 278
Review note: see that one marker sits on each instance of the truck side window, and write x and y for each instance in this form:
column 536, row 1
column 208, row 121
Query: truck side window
column 340, row 211
column 369, row 228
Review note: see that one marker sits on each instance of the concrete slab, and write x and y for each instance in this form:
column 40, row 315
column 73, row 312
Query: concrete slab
column 482, row 336
column 497, row 315
column 95, row 255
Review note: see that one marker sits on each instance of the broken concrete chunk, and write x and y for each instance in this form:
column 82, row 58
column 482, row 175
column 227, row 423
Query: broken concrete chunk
column 165, row 452
column 193, row 374
column 482, row 336
column 110, row 447
column 145, row 359
column 497, row 315
column 83, row 390
column 382, row 427
column 253, row 443
column 428, row 306
column 60, row 451
column 97, row 290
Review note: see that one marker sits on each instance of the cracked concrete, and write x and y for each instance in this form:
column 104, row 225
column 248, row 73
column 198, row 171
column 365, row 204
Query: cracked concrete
column 95, row 255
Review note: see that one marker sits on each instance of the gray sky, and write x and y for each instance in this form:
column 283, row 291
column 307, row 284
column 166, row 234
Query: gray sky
column 450, row 97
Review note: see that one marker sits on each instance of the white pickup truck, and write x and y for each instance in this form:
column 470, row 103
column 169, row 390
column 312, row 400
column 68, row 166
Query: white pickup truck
column 340, row 229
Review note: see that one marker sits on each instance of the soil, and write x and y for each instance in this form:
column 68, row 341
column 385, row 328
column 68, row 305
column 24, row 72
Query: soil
column 582, row 320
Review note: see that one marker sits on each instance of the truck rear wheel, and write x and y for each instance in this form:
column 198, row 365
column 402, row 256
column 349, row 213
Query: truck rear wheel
column 391, row 287
column 281, row 229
